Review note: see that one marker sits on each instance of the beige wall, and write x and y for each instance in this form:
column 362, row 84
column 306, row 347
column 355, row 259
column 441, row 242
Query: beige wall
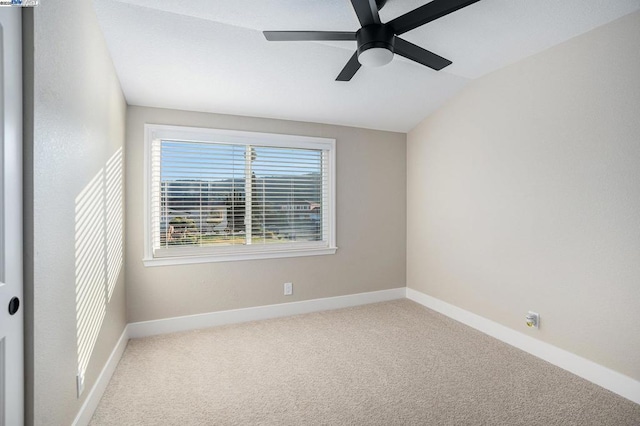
column 524, row 194
column 75, row 113
column 371, row 217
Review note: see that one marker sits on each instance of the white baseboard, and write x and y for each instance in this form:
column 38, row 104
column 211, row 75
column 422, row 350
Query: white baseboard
column 589, row 370
column 195, row 322
column 93, row 398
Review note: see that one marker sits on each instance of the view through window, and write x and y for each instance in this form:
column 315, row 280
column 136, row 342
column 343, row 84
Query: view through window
column 211, row 197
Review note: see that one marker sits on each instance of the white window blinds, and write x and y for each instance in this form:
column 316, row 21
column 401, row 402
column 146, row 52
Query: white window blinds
column 222, row 198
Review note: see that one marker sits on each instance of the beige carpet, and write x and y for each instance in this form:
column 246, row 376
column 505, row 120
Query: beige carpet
column 393, row 363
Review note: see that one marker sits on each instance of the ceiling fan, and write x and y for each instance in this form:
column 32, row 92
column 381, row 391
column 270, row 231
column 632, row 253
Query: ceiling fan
column 377, row 42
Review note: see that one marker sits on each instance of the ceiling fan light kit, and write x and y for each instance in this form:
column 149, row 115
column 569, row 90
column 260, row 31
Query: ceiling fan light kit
column 377, row 42
column 375, row 45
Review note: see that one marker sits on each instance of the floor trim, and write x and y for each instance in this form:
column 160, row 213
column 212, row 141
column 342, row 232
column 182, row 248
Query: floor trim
column 195, row 322
column 589, row 370
column 93, row 398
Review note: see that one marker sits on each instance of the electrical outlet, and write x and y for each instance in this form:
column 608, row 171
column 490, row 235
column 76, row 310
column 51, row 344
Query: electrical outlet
column 533, row 319
column 288, row 289
column 80, row 383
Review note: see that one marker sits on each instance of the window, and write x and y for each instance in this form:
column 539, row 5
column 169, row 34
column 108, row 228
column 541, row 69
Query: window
column 216, row 195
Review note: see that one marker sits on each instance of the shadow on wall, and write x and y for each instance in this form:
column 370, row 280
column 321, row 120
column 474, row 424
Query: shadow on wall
column 99, row 253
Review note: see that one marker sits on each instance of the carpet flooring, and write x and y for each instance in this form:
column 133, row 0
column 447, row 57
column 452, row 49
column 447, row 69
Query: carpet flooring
column 392, row 363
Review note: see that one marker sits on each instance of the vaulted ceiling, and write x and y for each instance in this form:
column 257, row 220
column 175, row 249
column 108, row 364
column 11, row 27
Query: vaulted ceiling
column 211, row 55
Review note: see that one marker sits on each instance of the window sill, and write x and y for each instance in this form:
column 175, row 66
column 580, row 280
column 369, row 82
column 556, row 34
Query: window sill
column 230, row 257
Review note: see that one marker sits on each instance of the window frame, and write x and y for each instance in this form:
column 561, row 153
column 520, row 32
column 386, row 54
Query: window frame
column 192, row 255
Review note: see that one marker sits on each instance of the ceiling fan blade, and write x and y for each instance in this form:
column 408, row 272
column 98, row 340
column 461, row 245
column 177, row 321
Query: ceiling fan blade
column 427, row 13
column 367, row 11
column 350, row 69
column 420, row 55
column 309, row 35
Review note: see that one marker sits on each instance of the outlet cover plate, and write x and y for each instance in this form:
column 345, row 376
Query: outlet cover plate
column 533, row 319
column 80, row 384
column 288, row 289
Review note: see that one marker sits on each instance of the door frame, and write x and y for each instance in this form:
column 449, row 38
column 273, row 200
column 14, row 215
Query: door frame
column 11, row 212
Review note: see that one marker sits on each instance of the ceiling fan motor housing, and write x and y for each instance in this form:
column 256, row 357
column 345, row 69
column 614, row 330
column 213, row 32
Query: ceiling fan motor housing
column 376, row 36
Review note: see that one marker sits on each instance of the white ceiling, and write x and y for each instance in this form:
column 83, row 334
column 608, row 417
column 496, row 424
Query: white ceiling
column 210, row 55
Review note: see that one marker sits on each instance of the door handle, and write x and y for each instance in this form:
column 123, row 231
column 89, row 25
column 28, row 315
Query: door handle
column 14, row 305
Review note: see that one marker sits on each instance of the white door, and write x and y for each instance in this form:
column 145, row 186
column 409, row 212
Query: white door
column 11, row 309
